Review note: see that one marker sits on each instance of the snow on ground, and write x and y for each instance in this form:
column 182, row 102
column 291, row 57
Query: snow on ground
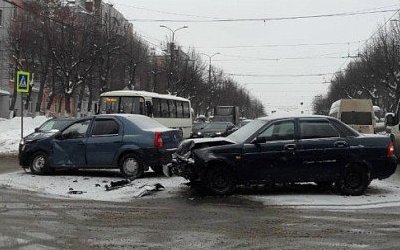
column 384, row 193
column 10, row 132
column 92, row 187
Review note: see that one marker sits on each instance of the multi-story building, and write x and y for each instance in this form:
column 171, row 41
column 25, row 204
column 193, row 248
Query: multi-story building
column 104, row 12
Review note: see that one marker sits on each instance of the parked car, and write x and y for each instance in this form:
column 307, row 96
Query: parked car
column 214, row 129
column 129, row 142
column 283, row 150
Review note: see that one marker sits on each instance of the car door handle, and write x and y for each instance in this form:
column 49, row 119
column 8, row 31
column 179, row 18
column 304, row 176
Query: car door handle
column 290, row 147
column 340, row 144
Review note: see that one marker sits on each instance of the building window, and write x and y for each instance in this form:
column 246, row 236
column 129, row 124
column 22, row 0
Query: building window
column 1, row 17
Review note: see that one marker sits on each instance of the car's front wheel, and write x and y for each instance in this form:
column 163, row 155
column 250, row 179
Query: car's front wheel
column 40, row 164
column 220, row 180
column 130, row 166
column 354, row 181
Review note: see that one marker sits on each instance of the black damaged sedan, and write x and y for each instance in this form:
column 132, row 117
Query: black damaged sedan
column 293, row 149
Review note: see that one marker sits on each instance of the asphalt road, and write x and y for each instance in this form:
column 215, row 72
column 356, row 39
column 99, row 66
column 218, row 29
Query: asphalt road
column 187, row 221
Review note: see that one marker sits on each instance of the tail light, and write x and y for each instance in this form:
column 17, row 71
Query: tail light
column 390, row 150
column 158, row 142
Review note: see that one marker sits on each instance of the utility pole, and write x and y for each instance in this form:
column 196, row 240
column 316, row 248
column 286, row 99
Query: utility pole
column 172, row 51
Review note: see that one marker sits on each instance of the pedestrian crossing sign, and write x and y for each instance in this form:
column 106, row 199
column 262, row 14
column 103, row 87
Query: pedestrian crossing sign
column 23, row 82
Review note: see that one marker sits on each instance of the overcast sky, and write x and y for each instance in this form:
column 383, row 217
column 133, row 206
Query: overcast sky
column 274, row 88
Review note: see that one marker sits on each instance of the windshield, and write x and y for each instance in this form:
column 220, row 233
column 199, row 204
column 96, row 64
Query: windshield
column 215, row 125
column 242, row 134
column 54, row 125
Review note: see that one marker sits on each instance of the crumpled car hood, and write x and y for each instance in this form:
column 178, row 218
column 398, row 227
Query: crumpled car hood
column 187, row 145
column 39, row 135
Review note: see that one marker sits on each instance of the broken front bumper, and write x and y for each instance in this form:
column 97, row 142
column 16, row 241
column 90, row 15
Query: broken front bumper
column 184, row 166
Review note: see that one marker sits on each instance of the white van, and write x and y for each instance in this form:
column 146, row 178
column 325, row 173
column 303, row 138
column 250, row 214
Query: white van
column 357, row 113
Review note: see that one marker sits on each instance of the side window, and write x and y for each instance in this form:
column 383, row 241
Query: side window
column 164, row 108
column 76, row 130
column 317, row 129
column 172, row 108
column 279, row 131
column 179, row 109
column 105, row 127
column 156, row 107
column 186, row 110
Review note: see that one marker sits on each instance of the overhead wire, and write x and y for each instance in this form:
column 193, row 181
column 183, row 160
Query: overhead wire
column 265, row 19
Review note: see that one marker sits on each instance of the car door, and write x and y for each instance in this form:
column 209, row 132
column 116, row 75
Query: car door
column 69, row 147
column 273, row 159
column 320, row 149
column 104, row 141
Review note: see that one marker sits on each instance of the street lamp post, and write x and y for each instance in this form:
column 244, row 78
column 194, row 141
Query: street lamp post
column 171, row 50
column 209, row 66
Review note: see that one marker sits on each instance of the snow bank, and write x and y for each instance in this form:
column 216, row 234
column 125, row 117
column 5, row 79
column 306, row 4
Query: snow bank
column 92, row 188
column 10, row 132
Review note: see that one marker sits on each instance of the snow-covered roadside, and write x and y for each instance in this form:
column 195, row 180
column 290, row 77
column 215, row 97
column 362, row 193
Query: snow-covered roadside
column 380, row 194
column 88, row 187
column 10, row 132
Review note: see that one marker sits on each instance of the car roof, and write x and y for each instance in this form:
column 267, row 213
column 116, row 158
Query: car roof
column 280, row 117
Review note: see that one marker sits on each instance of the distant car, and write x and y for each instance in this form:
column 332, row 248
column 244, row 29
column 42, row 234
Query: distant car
column 129, row 142
column 215, row 129
column 197, row 127
column 316, row 149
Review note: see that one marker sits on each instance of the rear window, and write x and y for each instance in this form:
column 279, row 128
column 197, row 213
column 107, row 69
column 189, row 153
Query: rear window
column 144, row 122
column 356, row 118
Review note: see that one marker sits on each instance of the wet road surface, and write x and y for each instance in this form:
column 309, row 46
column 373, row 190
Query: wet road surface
column 187, row 221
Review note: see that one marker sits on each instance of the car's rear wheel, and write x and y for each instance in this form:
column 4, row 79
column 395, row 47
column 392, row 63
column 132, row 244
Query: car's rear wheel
column 354, row 181
column 158, row 169
column 220, row 180
column 130, row 166
column 40, row 163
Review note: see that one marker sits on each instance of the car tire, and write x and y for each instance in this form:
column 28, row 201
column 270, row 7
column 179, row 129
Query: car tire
column 354, row 181
column 158, row 169
column 131, row 167
column 220, row 180
column 39, row 164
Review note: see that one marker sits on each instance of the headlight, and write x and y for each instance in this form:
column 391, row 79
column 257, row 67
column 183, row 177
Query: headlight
column 218, row 133
column 22, row 142
column 198, row 133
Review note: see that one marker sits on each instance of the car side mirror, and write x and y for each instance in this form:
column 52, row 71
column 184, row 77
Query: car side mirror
column 390, row 119
column 259, row 140
column 36, row 130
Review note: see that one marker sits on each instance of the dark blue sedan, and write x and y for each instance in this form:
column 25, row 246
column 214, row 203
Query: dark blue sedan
column 292, row 149
column 131, row 143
